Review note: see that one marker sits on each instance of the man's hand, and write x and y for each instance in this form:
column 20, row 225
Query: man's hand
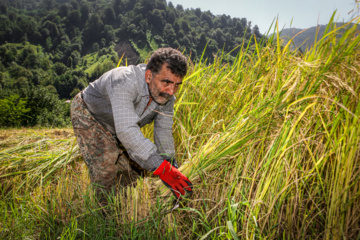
column 173, row 179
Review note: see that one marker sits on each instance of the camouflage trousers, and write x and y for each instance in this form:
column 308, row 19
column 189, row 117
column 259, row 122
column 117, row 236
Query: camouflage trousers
column 109, row 164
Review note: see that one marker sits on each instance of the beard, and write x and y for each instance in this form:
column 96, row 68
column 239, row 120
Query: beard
column 165, row 95
column 159, row 97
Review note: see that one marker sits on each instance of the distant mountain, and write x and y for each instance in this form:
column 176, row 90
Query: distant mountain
column 305, row 38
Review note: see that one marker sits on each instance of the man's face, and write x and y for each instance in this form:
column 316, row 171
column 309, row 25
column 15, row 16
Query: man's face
column 163, row 85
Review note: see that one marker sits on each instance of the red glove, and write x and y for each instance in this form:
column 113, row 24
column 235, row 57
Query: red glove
column 173, row 179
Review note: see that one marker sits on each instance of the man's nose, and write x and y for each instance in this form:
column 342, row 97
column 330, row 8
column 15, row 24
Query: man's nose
column 171, row 90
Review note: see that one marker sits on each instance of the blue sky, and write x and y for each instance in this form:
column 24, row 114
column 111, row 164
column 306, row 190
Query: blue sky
column 302, row 13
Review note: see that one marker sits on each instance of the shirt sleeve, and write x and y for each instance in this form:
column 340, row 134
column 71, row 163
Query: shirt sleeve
column 163, row 136
column 122, row 95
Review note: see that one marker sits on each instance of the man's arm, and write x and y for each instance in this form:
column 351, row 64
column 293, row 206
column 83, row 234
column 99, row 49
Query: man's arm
column 140, row 149
column 163, row 137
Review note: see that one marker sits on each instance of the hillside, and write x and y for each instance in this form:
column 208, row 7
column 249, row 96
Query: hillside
column 305, row 38
column 58, row 47
column 89, row 25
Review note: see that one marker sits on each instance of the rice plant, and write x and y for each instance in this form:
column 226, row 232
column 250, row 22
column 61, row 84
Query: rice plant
column 270, row 140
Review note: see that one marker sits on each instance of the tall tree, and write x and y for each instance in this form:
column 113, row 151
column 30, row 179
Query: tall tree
column 85, row 11
column 109, row 16
column 93, row 29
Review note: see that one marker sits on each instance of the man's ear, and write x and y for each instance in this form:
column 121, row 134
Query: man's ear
column 148, row 76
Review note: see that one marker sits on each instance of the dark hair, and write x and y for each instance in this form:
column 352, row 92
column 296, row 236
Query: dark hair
column 176, row 61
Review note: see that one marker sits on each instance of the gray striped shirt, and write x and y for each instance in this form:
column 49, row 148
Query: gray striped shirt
column 118, row 100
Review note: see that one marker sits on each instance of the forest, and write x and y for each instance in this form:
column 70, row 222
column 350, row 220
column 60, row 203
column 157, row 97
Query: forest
column 51, row 49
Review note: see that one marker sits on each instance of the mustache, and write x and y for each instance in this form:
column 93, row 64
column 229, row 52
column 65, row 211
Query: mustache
column 164, row 95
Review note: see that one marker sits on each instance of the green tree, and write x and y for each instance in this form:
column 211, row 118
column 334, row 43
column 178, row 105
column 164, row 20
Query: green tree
column 171, row 17
column 117, row 7
column 13, row 110
column 76, row 57
column 202, row 41
column 51, row 89
column 218, row 35
column 169, row 33
column 46, row 108
column 109, row 16
column 74, row 92
column 48, row 44
column 185, row 26
column 48, row 4
column 96, row 47
column 73, row 19
column 109, row 34
column 85, row 11
column 160, row 4
column 171, row 5
column 54, row 30
column 103, row 42
column 75, row 5
column 207, row 17
column 238, row 28
column 66, row 83
column 21, row 82
column 179, row 8
column 64, row 10
column 146, row 6
column 256, row 32
column 93, row 29
column 3, row 8
column 59, row 68
column 157, row 19
column 198, row 12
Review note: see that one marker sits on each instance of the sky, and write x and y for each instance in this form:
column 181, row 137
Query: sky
column 290, row 13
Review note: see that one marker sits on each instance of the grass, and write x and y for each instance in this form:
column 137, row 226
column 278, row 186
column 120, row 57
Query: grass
column 270, row 141
column 151, row 41
column 142, row 49
column 95, row 60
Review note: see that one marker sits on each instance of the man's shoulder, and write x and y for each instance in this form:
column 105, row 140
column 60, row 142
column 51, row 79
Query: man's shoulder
column 131, row 70
column 130, row 78
column 129, row 75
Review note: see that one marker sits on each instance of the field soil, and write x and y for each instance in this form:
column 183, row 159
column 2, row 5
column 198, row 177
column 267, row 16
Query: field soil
column 128, row 51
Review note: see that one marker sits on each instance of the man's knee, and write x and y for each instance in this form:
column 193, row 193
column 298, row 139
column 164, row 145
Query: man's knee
column 104, row 179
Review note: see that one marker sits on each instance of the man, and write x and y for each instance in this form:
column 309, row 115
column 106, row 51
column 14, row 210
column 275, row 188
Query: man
column 108, row 114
